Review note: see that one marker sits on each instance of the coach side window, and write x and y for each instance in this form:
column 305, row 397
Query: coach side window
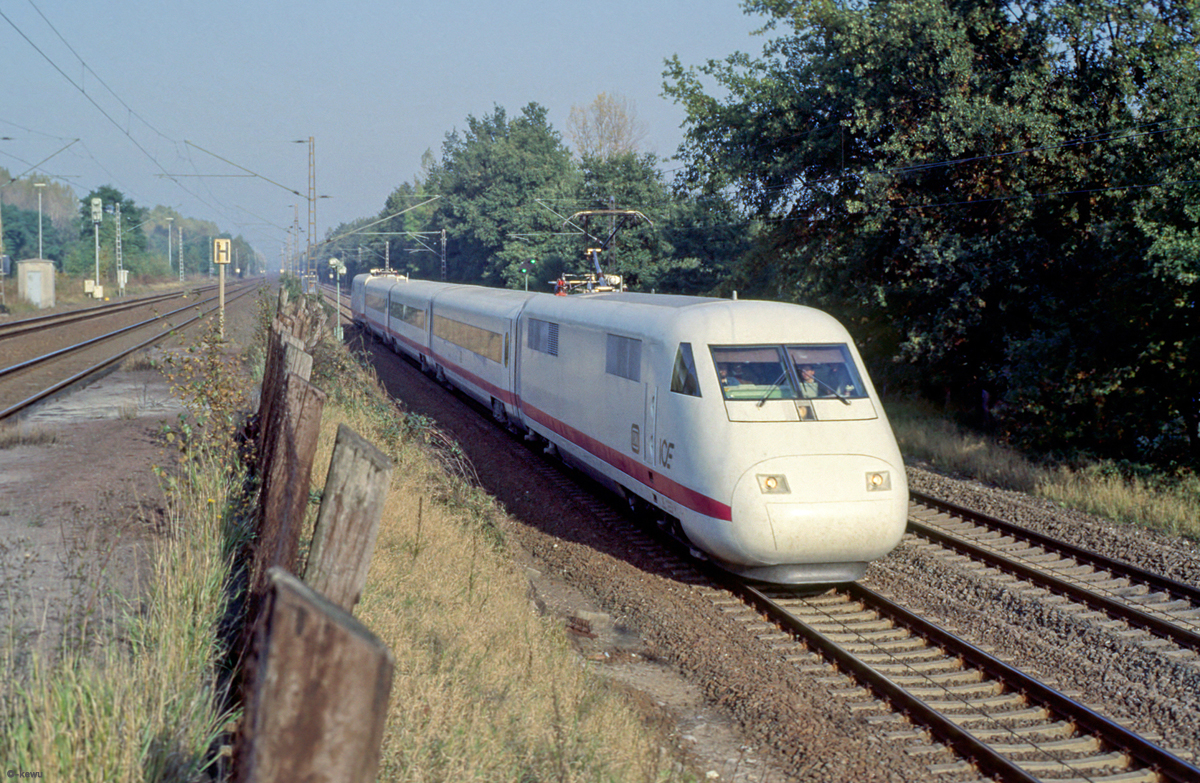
column 683, row 376
column 623, row 357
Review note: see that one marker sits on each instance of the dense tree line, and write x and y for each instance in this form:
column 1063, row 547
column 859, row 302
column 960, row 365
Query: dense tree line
column 504, row 191
column 1000, row 199
column 69, row 237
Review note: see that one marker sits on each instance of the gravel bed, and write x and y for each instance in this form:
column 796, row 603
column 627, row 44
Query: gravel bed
column 1129, row 677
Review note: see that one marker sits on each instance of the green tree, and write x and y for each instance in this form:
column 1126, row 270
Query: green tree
column 81, row 258
column 21, row 234
column 624, row 181
column 687, row 246
column 415, row 224
column 993, row 193
column 707, row 238
column 490, row 179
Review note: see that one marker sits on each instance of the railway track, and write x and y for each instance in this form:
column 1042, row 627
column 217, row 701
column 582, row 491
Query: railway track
column 997, row 720
column 40, row 323
column 47, row 354
column 969, row 713
column 1164, row 608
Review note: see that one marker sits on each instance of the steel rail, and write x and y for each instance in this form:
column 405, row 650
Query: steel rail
column 1157, row 581
column 25, row 325
column 1110, row 606
column 108, row 336
column 990, row 761
column 95, row 368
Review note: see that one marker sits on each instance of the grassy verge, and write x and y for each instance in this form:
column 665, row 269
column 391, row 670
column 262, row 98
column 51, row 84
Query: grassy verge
column 484, row 688
column 1169, row 504
column 135, row 698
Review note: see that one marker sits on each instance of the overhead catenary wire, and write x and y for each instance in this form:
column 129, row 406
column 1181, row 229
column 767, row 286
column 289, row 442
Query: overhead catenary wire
column 92, row 71
column 105, row 113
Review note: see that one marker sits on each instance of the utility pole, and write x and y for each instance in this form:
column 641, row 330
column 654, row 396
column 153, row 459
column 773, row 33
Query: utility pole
column 169, row 219
column 311, row 265
column 296, row 227
column 39, row 186
column 3, row 267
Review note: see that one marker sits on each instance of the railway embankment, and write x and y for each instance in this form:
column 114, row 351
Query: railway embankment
column 532, row 633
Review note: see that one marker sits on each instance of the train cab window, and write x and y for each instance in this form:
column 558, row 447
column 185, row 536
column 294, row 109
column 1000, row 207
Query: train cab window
column 753, row 372
column 826, row 371
column 683, row 376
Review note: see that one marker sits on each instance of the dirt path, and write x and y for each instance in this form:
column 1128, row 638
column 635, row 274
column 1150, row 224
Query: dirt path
column 80, row 503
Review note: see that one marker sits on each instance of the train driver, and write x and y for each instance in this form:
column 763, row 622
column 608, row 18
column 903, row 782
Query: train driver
column 809, row 387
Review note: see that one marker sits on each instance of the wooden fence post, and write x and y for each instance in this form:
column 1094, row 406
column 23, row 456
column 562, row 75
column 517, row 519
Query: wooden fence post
column 348, row 521
column 317, row 701
column 285, row 354
column 287, row 476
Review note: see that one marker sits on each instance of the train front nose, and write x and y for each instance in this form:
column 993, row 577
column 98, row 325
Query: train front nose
column 818, row 518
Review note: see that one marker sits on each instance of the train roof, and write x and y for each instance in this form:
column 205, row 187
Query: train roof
column 657, row 300
column 684, row 318
column 704, row 317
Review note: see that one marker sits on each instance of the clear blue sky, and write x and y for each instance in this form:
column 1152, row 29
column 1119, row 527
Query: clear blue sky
column 374, row 84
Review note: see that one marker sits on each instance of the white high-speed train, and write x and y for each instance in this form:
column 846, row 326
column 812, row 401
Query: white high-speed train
column 749, row 426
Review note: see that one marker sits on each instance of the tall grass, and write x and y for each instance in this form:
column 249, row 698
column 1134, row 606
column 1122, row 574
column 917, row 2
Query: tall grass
column 137, row 700
column 1167, row 503
column 949, row 448
column 18, row 434
column 485, row 689
column 134, row 693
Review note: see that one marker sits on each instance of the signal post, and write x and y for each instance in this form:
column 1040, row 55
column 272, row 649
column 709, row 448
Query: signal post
column 221, row 254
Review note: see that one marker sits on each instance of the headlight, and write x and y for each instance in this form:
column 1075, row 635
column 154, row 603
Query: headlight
column 879, row 481
column 773, row 485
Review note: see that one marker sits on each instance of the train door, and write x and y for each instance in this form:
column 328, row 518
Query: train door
column 515, row 360
column 649, row 447
column 509, row 363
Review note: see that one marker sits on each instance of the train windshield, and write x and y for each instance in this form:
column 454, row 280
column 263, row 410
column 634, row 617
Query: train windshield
column 826, row 371
column 791, row 372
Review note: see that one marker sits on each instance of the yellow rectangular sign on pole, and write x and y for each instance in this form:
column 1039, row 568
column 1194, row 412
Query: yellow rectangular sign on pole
column 221, row 254
column 221, row 251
